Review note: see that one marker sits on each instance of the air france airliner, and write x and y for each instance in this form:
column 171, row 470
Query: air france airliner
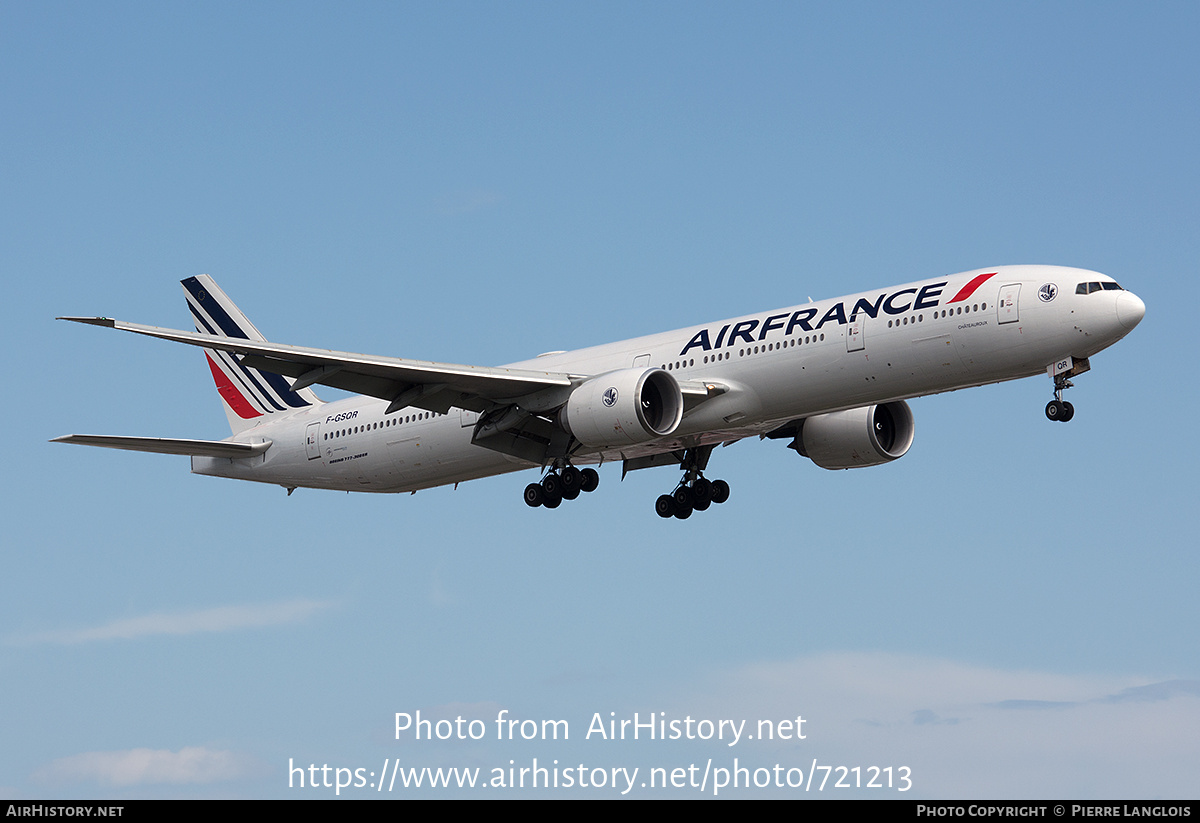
column 830, row 377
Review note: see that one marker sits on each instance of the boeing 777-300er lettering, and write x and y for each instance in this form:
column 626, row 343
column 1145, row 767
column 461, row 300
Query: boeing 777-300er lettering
column 830, row 377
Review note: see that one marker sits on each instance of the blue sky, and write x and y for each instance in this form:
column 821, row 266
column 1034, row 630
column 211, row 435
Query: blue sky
column 1009, row 610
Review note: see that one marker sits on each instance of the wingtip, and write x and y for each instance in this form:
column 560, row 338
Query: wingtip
column 91, row 321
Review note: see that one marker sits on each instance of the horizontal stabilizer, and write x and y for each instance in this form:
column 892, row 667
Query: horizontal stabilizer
column 168, row 445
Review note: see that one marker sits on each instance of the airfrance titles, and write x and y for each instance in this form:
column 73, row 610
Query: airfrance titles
column 897, row 302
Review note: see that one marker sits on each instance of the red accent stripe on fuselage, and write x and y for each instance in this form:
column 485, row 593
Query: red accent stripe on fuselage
column 229, row 392
column 969, row 289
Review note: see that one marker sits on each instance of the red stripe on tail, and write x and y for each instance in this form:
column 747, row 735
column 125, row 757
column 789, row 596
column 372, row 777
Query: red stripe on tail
column 229, row 392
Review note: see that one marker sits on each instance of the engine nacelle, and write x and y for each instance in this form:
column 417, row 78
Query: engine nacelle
column 623, row 407
column 848, row 439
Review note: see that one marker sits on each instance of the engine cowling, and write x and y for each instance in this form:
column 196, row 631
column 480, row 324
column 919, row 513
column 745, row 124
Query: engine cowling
column 623, row 407
column 868, row 436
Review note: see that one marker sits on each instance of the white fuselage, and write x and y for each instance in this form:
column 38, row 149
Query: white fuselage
column 868, row 348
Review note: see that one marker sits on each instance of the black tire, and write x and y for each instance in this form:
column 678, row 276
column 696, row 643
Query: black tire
column 534, row 495
column 720, row 491
column 1068, row 412
column 552, row 501
column 683, row 513
column 701, row 505
column 683, row 498
column 590, row 480
column 1054, row 410
column 571, row 481
column 664, row 506
column 552, row 486
column 701, row 493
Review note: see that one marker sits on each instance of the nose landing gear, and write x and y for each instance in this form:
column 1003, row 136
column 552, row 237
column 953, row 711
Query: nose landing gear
column 1061, row 371
column 1059, row 409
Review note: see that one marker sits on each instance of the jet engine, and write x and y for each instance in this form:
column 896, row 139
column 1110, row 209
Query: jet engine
column 623, row 407
column 867, row 436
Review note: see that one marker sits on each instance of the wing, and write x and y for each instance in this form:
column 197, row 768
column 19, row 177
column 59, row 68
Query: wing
column 433, row 386
column 166, row 445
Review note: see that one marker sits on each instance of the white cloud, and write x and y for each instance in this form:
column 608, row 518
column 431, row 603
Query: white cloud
column 219, row 619
column 135, row 767
column 974, row 731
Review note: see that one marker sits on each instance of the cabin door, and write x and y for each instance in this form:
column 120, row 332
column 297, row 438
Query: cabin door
column 1007, row 307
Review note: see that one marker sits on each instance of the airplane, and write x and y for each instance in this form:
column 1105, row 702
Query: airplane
column 831, row 377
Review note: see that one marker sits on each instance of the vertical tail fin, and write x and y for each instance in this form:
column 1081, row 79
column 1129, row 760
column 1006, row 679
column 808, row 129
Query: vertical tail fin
column 247, row 394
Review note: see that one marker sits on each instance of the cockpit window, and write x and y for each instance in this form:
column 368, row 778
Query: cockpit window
column 1088, row 288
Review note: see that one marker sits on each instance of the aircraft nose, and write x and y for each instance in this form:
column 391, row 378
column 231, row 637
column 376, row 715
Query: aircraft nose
column 1130, row 309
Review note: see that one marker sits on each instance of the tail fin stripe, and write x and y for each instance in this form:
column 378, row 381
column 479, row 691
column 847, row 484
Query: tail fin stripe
column 229, row 326
column 283, row 392
column 234, row 368
column 250, row 388
column 200, row 305
column 249, row 395
column 230, row 393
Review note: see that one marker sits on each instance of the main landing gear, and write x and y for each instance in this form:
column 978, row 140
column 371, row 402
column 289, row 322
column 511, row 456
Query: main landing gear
column 561, row 484
column 694, row 492
column 691, row 495
column 1059, row 409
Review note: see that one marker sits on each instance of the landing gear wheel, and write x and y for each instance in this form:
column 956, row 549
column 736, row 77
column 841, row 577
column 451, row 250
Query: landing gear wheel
column 720, row 491
column 561, row 482
column 1059, row 409
column 571, row 482
column 694, row 493
column 534, row 495
column 683, row 498
column 589, row 480
column 684, row 502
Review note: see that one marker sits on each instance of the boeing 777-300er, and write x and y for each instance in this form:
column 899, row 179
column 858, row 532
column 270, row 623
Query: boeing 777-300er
column 830, row 377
